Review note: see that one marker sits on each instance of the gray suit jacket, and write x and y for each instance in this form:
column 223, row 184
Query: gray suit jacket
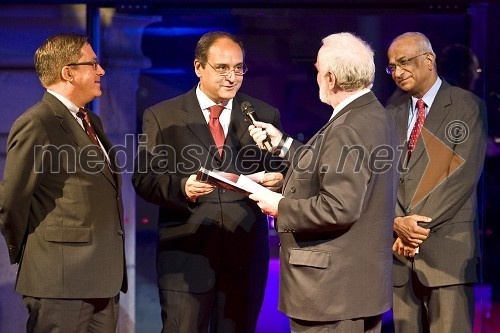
column 336, row 219
column 455, row 125
column 61, row 216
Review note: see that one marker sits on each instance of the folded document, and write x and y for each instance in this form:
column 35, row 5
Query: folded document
column 246, row 184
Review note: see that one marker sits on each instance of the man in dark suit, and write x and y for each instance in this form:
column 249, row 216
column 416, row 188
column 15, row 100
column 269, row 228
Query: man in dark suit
column 61, row 212
column 436, row 248
column 213, row 244
column 336, row 209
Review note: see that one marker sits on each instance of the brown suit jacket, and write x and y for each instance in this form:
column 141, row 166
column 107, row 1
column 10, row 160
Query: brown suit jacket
column 455, row 125
column 61, row 216
column 335, row 222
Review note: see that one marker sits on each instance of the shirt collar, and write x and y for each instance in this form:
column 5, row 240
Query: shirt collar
column 69, row 104
column 348, row 100
column 428, row 98
column 205, row 102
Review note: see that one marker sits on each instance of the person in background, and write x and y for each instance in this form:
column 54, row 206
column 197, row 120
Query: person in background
column 459, row 66
column 335, row 213
column 61, row 212
column 443, row 131
column 213, row 250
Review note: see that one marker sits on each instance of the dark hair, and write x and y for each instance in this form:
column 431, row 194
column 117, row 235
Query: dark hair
column 55, row 53
column 207, row 40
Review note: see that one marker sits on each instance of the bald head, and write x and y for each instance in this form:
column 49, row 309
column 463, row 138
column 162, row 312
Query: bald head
column 413, row 63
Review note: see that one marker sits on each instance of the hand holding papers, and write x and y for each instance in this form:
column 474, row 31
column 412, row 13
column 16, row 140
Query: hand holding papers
column 247, row 184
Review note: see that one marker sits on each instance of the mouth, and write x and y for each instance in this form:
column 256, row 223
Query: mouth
column 400, row 81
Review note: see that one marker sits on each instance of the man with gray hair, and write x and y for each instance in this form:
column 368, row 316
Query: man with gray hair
column 334, row 215
column 443, row 132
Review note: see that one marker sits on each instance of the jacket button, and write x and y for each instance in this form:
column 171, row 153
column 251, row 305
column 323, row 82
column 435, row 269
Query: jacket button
column 408, row 210
column 401, row 180
column 120, row 232
column 293, row 190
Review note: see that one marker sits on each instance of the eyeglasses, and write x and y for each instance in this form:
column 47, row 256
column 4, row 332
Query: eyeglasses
column 94, row 63
column 223, row 70
column 403, row 63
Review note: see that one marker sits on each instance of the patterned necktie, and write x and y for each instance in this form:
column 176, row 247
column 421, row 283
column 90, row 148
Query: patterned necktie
column 84, row 116
column 417, row 128
column 89, row 129
column 216, row 128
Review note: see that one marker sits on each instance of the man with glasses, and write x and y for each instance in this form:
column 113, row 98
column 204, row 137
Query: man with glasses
column 213, row 249
column 442, row 130
column 61, row 212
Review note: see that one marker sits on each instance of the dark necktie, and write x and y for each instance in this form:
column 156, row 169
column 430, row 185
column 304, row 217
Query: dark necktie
column 89, row 129
column 216, row 128
column 84, row 116
column 417, row 128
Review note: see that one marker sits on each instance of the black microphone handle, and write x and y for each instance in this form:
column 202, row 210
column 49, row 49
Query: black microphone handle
column 248, row 109
column 267, row 141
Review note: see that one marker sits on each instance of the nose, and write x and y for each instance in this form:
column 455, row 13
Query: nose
column 100, row 70
column 231, row 75
column 398, row 70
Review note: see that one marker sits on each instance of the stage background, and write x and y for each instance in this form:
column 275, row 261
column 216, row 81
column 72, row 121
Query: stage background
column 147, row 51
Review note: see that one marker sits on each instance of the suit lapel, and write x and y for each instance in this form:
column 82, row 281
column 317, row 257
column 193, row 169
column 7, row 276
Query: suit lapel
column 239, row 121
column 401, row 119
column 75, row 132
column 358, row 102
column 196, row 123
column 68, row 123
column 107, row 145
column 434, row 120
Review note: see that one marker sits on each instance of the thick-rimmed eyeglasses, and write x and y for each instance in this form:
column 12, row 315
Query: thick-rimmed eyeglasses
column 223, row 70
column 94, row 63
column 403, row 63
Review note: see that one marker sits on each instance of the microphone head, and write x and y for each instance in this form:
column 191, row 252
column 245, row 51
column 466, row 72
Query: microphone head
column 247, row 108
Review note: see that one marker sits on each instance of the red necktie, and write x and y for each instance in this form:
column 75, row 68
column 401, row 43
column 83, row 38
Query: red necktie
column 89, row 129
column 216, row 128
column 417, row 128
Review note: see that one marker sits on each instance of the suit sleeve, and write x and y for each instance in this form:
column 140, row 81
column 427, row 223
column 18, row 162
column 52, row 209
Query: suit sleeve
column 23, row 169
column 339, row 201
column 152, row 179
column 458, row 187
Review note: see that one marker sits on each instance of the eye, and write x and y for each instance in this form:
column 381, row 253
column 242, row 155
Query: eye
column 221, row 68
column 403, row 62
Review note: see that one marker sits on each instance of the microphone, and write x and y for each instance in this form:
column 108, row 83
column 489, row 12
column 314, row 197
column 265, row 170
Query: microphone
column 249, row 110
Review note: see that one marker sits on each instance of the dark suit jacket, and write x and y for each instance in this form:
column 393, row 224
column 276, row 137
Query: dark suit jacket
column 178, row 144
column 336, row 219
column 61, row 217
column 456, row 120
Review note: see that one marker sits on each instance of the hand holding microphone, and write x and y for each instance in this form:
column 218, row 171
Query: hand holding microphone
column 265, row 135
